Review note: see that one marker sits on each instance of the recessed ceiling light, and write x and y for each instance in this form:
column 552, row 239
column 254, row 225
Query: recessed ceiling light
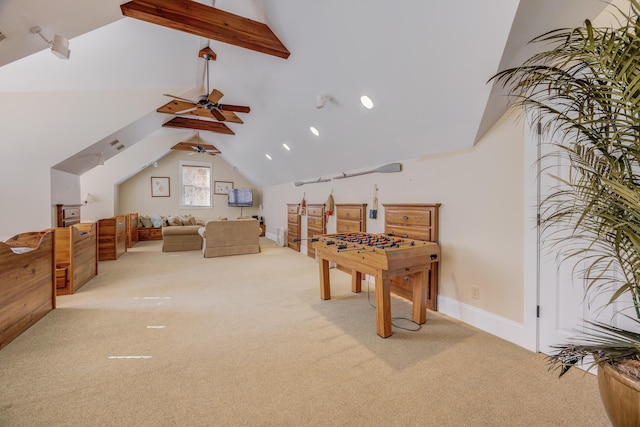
column 268, row 156
column 286, row 147
column 366, row 102
column 314, row 131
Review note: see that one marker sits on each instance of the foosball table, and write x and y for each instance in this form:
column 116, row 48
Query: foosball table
column 382, row 257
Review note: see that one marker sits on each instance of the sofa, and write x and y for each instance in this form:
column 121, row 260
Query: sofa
column 180, row 233
column 230, row 237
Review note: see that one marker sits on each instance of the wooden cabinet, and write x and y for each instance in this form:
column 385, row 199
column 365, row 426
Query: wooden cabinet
column 315, row 225
column 145, row 234
column 293, row 226
column 68, row 215
column 417, row 221
column 350, row 218
column 112, row 237
column 132, row 229
column 76, row 256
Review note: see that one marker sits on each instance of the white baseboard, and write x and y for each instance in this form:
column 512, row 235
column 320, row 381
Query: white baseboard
column 495, row 325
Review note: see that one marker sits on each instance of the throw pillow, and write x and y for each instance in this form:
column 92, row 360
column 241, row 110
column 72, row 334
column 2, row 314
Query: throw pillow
column 173, row 221
column 156, row 221
column 146, row 221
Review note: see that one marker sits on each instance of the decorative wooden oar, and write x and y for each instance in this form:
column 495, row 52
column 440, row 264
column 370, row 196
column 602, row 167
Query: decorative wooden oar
column 299, row 183
column 391, row 167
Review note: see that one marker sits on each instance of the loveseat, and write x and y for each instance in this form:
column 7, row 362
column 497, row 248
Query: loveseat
column 180, row 233
column 230, row 237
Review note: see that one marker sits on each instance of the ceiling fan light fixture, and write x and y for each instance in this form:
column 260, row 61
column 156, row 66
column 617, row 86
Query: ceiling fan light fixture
column 366, row 102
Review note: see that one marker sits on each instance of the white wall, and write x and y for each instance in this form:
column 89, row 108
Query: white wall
column 33, row 143
column 135, row 193
column 481, row 221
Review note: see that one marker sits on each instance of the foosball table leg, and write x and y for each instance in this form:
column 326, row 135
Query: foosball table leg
column 325, row 284
column 356, row 281
column 420, row 284
column 383, row 306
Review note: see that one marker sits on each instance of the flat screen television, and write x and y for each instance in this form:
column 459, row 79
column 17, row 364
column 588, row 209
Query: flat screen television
column 241, row 197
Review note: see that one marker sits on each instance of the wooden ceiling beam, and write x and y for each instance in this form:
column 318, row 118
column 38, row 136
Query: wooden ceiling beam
column 206, row 125
column 205, row 21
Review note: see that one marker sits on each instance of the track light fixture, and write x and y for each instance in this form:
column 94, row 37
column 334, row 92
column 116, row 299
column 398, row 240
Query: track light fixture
column 59, row 45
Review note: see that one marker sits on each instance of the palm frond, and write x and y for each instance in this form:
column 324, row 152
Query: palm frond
column 606, row 343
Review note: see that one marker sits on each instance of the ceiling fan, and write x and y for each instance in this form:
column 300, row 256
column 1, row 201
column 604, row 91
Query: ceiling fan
column 196, row 147
column 207, row 105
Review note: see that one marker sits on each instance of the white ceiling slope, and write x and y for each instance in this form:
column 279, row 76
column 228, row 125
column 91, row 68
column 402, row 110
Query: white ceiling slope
column 424, row 64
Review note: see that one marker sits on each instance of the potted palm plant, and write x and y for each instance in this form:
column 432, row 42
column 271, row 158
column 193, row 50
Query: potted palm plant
column 584, row 89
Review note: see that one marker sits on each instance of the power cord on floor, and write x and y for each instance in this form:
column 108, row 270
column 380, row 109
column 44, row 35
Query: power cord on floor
column 415, row 329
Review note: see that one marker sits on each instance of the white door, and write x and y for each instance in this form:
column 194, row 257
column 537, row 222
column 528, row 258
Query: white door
column 562, row 306
column 561, row 303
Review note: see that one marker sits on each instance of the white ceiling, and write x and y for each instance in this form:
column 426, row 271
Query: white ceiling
column 424, row 64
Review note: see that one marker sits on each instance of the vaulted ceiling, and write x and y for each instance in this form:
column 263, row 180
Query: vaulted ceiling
column 424, row 64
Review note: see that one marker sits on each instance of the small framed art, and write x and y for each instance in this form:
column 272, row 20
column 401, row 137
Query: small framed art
column 160, row 186
column 222, row 187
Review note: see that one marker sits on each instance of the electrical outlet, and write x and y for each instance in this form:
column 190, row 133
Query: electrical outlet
column 475, row 292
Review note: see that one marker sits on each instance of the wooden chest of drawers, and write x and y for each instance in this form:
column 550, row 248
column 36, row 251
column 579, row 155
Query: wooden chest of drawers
column 351, row 218
column 315, row 225
column 68, row 215
column 145, row 234
column 293, row 226
column 417, row 221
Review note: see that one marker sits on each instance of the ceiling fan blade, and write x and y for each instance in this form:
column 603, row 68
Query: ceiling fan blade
column 215, row 96
column 180, row 98
column 188, row 110
column 236, row 108
column 218, row 115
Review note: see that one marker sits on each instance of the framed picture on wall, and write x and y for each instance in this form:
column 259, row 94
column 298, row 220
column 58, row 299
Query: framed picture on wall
column 160, row 186
column 222, row 187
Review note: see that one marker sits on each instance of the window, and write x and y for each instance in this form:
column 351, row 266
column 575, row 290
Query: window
column 195, row 184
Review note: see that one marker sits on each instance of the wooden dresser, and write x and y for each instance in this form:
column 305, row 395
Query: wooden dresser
column 68, row 215
column 293, row 226
column 315, row 225
column 112, row 237
column 351, row 218
column 414, row 221
column 132, row 229
column 149, row 234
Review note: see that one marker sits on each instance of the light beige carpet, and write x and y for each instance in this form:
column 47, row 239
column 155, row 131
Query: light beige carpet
column 174, row 339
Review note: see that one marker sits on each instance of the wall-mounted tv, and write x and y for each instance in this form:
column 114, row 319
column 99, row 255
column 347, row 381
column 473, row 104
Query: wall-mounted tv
column 241, row 197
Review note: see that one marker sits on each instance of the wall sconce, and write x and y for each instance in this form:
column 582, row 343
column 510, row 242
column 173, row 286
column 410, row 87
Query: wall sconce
column 88, row 198
column 59, row 45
